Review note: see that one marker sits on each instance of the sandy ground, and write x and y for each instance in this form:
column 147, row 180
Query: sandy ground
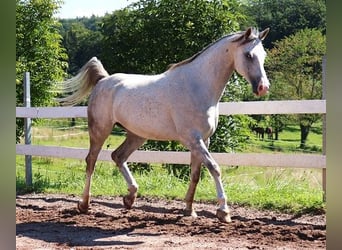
column 53, row 222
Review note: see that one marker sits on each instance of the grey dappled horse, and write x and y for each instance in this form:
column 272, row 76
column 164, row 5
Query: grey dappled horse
column 179, row 104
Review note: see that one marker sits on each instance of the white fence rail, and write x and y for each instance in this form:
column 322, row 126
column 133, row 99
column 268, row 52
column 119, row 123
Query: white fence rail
column 226, row 108
column 225, row 159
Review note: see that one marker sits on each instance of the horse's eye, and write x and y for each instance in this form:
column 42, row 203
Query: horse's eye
column 249, row 55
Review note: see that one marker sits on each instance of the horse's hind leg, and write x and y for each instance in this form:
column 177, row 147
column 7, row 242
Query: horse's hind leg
column 194, row 178
column 119, row 156
column 97, row 135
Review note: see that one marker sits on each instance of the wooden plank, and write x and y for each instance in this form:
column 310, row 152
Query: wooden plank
column 225, row 108
column 225, row 159
column 271, row 160
column 273, row 107
column 52, row 112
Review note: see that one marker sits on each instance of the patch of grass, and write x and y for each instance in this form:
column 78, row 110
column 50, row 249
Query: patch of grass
column 282, row 189
column 289, row 141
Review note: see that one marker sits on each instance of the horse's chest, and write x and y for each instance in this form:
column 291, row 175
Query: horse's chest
column 211, row 120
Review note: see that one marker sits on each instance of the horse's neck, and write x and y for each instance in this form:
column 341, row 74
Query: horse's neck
column 213, row 69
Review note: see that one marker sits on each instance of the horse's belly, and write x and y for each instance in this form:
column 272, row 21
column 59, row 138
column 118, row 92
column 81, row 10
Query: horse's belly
column 152, row 123
column 153, row 130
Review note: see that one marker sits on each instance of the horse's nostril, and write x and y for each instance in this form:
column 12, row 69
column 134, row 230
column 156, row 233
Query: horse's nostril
column 261, row 88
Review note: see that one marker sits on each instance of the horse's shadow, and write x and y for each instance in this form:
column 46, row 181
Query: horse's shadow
column 70, row 234
column 64, row 233
column 284, row 222
column 157, row 210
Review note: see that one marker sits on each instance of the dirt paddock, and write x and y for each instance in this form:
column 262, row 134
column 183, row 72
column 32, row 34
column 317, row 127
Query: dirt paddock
column 45, row 221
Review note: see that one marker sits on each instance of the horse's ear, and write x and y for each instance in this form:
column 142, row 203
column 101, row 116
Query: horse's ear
column 248, row 33
column 263, row 33
column 245, row 36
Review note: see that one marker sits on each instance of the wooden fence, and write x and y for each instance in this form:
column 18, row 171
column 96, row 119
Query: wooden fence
column 298, row 160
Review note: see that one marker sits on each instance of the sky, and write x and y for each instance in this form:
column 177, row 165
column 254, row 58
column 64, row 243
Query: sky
column 80, row 8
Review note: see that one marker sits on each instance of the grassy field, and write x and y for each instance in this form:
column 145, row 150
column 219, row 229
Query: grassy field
column 289, row 141
column 291, row 190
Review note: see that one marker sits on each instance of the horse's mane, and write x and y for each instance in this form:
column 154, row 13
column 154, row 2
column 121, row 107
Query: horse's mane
column 192, row 58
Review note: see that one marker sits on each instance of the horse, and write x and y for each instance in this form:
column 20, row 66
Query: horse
column 260, row 131
column 180, row 104
column 269, row 132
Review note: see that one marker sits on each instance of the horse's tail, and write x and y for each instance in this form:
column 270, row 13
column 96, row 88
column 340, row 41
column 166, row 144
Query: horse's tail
column 81, row 85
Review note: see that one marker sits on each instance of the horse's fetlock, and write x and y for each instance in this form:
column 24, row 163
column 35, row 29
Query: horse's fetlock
column 133, row 188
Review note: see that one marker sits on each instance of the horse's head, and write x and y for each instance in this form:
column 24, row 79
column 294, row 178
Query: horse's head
column 249, row 57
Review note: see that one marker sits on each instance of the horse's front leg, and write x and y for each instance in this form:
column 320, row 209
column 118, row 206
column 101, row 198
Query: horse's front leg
column 223, row 212
column 200, row 149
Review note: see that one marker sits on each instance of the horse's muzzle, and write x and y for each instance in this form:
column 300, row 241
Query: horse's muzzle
column 262, row 89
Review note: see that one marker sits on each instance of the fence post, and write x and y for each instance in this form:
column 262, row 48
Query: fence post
column 324, row 129
column 27, row 129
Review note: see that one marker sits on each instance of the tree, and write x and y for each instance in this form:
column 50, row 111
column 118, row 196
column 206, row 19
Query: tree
column 286, row 17
column 39, row 51
column 151, row 34
column 295, row 66
column 82, row 40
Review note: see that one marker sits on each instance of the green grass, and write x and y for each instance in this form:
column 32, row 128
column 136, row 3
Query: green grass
column 289, row 141
column 282, row 189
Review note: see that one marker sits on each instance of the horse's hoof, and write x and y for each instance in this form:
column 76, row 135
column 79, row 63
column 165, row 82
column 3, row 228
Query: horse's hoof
column 223, row 216
column 128, row 202
column 83, row 209
column 190, row 212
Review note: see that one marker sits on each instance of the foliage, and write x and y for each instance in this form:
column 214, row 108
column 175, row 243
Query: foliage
column 150, row 34
column 82, row 40
column 286, row 17
column 38, row 51
column 295, row 66
column 296, row 62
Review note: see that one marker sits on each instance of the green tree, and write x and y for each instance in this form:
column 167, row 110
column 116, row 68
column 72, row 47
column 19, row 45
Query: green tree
column 151, row 34
column 82, row 40
column 295, row 66
column 38, row 51
column 286, row 17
